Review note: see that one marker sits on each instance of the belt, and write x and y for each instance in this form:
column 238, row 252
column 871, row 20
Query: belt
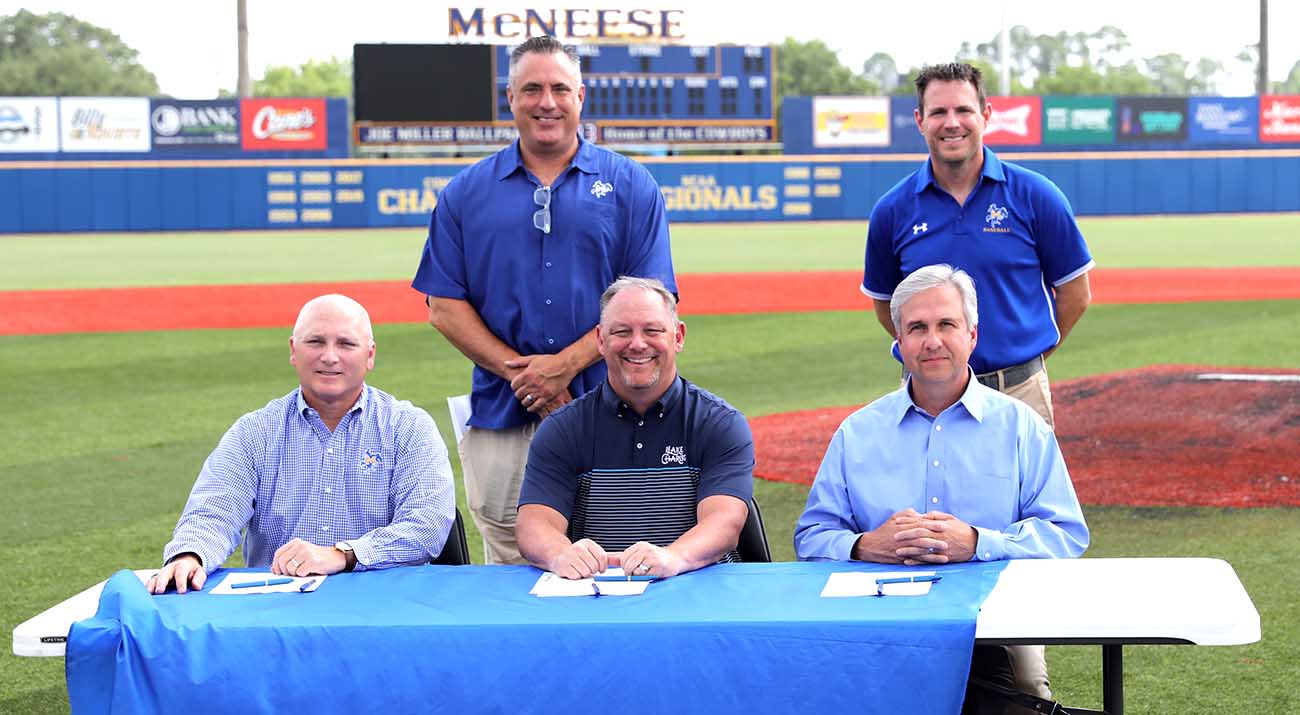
column 1012, row 376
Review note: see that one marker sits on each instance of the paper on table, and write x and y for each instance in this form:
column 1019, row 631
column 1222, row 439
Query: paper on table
column 548, row 584
column 224, row 588
column 843, row 584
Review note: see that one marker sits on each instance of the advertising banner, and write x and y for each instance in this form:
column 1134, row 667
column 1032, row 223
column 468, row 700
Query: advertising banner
column 850, row 122
column 1222, row 120
column 906, row 136
column 1279, row 118
column 1152, row 119
column 1078, row 120
column 1015, row 121
column 104, row 124
column 194, row 124
column 29, row 124
column 283, row 124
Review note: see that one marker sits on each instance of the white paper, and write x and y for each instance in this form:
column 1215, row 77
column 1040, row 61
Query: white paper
column 845, row 584
column 224, row 588
column 548, row 584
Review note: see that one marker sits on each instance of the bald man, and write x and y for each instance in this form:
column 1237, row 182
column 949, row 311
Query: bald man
column 335, row 476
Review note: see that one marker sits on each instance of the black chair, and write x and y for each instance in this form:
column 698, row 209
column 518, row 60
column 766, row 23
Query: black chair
column 455, row 552
column 752, row 546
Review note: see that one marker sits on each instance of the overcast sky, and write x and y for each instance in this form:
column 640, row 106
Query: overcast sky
column 190, row 45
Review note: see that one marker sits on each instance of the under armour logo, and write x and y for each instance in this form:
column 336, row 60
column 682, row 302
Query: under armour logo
column 920, row 228
column 600, row 188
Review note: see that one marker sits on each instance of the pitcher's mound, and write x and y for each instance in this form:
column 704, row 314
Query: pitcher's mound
column 1158, row 436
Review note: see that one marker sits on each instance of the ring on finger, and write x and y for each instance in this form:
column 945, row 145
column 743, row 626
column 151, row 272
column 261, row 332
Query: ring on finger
column 528, row 398
column 643, row 567
column 295, row 563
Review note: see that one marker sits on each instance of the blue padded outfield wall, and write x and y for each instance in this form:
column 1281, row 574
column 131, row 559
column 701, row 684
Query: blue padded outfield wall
column 66, row 196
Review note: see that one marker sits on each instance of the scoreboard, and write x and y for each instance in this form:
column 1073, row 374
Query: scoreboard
column 453, row 95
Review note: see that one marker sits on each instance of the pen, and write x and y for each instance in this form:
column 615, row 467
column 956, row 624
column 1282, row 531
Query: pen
column 595, row 590
column 307, row 586
column 265, row 582
column 629, row 577
column 908, row 579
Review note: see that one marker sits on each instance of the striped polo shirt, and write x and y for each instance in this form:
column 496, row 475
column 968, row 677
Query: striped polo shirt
column 619, row 477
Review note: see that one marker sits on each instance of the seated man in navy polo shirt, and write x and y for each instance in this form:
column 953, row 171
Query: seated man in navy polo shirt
column 647, row 472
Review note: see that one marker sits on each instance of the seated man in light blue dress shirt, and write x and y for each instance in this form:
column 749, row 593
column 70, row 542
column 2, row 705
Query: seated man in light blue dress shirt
column 335, row 476
column 943, row 469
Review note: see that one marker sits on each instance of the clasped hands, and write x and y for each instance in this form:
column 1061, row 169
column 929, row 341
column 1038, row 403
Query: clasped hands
column 584, row 558
column 296, row 558
column 540, row 382
column 911, row 538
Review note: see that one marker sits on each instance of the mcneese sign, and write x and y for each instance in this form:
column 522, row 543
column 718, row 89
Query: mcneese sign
column 567, row 24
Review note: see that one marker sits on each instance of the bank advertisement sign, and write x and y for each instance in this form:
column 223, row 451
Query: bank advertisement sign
column 194, row 124
column 283, row 124
column 1279, row 118
column 1016, row 121
column 850, row 122
column 1078, row 120
column 1222, row 120
column 104, row 124
column 29, row 124
column 1151, row 119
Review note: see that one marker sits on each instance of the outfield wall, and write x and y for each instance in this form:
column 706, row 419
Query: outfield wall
column 38, row 197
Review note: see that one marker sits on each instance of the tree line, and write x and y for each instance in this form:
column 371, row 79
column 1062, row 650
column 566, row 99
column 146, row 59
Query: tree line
column 58, row 55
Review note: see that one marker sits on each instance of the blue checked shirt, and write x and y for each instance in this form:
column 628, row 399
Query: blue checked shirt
column 988, row 460
column 380, row 481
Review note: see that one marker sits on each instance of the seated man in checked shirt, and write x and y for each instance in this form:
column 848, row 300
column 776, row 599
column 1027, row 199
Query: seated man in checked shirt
column 335, row 476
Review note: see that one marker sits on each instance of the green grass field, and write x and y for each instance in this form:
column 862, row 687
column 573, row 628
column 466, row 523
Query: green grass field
column 107, row 431
column 116, row 260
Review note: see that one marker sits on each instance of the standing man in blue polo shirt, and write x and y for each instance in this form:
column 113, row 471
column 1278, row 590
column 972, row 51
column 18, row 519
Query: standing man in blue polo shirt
column 1010, row 228
column 520, row 246
column 647, row 472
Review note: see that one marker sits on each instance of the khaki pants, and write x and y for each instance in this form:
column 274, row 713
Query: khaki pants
column 493, row 462
column 1029, row 662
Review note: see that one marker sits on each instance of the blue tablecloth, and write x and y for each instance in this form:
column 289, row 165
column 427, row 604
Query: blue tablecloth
column 745, row 638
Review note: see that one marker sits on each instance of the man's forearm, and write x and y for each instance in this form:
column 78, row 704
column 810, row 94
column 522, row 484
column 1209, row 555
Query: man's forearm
column 883, row 315
column 464, row 328
column 718, row 531
column 1072, row 299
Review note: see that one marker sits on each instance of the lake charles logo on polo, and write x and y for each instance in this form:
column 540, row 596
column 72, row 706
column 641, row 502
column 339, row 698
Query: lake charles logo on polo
column 600, row 188
column 674, row 455
column 994, row 218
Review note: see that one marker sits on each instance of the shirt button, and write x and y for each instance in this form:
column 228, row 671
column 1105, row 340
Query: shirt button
column 987, row 555
column 325, row 528
column 935, row 463
column 550, row 341
column 640, row 423
column 329, row 450
column 548, row 301
column 638, row 445
column 548, row 264
column 329, row 490
column 938, row 428
column 934, row 500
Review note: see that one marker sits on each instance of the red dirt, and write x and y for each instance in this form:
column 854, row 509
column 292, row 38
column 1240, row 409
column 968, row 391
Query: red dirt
column 252, row 306
column 1155, row 436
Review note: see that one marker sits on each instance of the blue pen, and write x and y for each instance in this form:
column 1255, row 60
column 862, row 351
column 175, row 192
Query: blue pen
column 265, row 582
column 307, row 585
column 595, row 590
column 882, row 582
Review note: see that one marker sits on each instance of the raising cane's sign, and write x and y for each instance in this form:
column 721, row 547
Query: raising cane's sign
column 283, row 124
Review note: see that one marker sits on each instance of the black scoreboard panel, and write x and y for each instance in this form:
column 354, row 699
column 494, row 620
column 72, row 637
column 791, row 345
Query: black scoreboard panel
column 667, row 82
column 422, row 83
column 448, row 95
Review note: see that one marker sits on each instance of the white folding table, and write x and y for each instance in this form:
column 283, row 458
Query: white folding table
column 1106, row 602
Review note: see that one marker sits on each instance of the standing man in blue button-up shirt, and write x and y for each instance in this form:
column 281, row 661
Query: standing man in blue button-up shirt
column 1010, row 228
column 334, row 476
column 520, row 247
column 944, row 469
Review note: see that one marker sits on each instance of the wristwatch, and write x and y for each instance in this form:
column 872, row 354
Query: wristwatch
column 348, row 553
